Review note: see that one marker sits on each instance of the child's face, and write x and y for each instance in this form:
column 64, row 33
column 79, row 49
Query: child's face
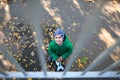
column 59, row 39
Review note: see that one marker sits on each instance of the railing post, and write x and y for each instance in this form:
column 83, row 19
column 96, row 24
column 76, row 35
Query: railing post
column 110, row 67
column 40, row 52
column 90, row 26
column 11, row 58
column 101, row 57
column 2, row 72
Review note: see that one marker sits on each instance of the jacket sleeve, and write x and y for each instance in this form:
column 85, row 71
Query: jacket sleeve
column 51, row 52
column 68, row 51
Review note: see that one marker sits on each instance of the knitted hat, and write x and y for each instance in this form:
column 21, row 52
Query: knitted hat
column 59, row 31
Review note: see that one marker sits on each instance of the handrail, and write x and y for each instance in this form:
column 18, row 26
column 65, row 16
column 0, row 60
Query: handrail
column 70, row 74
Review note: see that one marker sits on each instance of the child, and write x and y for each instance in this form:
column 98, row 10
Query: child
column 60, row 48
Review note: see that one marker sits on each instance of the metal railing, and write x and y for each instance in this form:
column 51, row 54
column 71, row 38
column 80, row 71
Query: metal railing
column 87, row 73
column 91, row 74
column 65, row 74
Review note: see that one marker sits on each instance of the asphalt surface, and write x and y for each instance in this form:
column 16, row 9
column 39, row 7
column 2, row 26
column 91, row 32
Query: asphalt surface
column 72, row 15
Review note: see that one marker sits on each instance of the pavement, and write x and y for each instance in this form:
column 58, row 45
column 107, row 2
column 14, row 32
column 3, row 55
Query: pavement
column 99, row 26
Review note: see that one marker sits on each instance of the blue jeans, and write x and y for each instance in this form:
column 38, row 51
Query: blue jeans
column 50, row 59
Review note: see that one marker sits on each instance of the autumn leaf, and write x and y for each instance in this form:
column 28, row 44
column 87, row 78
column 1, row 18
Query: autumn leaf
column 84, row 60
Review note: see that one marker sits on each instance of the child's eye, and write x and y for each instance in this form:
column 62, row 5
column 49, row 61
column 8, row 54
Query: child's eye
column 59, row 37
column 56, row 37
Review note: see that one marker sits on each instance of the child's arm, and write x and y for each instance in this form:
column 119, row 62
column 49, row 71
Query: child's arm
column 51, row 52
column 68, row 52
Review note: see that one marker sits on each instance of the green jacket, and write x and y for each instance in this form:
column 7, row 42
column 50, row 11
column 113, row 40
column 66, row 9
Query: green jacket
column 55, row 51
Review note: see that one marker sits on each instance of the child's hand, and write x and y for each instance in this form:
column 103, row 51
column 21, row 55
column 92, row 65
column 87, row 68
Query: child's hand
column 59, row 59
